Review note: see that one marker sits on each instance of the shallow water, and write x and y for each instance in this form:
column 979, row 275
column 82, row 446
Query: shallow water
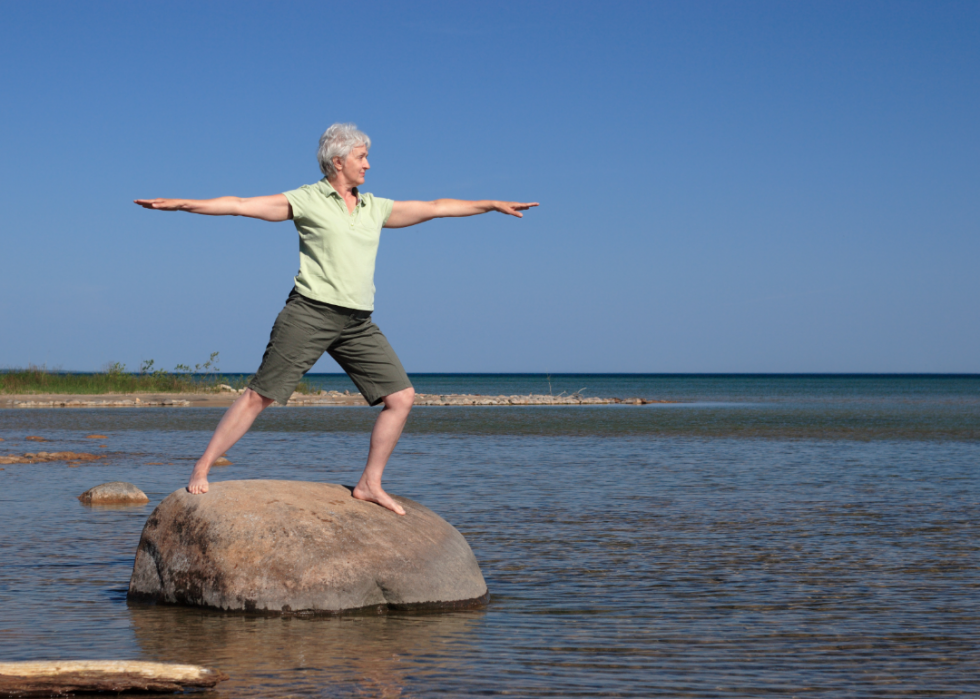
column 791, row 546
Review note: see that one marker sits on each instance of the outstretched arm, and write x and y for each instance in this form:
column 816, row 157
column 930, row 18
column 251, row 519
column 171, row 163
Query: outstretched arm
column 408, row 213
column 274, row 207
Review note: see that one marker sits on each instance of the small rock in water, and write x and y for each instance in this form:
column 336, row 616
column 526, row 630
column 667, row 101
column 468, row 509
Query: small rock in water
column 59, row 678
column 96, row 436
column 113, row 493
column 222, row 461
column 35, row 439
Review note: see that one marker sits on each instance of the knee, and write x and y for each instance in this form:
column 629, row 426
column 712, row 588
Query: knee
column 256, row 400
column 402, row 400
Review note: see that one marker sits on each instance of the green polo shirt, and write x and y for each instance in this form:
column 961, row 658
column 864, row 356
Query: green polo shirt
column 337, row 249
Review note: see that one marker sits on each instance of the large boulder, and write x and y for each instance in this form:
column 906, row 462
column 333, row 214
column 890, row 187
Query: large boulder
column 295, row 547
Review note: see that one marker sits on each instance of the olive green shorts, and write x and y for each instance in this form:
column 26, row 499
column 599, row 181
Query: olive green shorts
column 305, row 329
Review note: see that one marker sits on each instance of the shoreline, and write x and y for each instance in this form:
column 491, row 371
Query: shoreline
column 323, row 398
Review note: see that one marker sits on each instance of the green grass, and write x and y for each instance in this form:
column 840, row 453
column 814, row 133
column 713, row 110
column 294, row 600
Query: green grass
column 202, row 378
column 39, row 380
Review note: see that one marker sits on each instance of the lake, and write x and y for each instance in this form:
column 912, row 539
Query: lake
column 765, row 535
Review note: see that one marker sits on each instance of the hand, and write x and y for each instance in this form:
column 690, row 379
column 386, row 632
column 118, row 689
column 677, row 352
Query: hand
column 512, row 208
column 160, row 204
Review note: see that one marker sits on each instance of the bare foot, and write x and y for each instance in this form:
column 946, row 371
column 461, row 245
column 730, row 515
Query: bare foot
column 377, row 496
column 199, row 481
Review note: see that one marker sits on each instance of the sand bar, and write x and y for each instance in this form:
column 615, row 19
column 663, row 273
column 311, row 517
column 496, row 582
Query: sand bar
column 323, row 398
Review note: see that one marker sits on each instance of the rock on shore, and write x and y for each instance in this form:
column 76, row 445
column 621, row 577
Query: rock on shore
column 297, row 547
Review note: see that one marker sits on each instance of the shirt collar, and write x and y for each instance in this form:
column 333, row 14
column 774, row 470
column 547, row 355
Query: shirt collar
column 331, row 192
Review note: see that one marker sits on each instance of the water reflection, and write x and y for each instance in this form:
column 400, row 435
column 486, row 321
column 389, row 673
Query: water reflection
column 276, row 656
column 120, row 506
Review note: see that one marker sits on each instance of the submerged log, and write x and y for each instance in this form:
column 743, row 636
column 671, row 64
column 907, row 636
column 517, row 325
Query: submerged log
column 58, row 678
column 43, row 457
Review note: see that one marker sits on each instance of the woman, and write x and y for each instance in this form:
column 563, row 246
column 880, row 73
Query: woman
column 329, row 308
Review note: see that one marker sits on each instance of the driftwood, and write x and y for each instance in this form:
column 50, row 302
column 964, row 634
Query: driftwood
column 58, row 678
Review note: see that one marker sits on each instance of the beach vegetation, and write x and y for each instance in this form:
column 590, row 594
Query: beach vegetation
column 115, row 378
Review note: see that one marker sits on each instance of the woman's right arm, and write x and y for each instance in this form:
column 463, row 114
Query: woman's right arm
column 274, row 207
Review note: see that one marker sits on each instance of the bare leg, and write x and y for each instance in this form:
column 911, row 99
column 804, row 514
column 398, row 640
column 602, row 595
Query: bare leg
column 233, row 425
column 384, row 437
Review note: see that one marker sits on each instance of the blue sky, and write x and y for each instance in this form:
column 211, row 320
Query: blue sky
column 724, row 186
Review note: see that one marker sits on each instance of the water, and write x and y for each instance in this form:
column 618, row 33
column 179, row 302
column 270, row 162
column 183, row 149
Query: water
column 811, row 536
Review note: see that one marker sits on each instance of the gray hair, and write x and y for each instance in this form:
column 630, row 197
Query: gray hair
column 337, row 142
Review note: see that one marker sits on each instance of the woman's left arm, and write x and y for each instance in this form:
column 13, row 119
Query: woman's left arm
column 408, row 213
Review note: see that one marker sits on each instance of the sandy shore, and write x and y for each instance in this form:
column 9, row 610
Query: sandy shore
column 116, row 400
column 324, row 398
